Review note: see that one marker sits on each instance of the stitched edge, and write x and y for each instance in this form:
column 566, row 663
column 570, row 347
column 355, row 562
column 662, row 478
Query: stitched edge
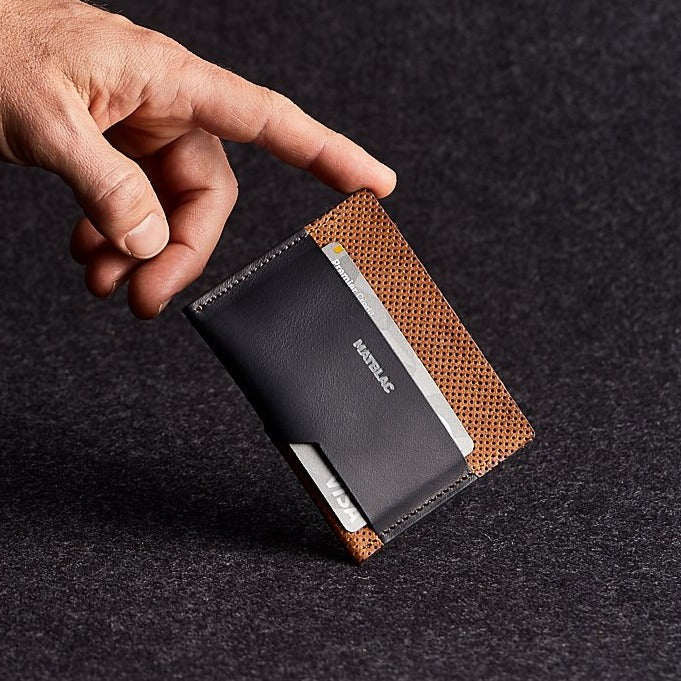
column 204, row 304
column 418, row 509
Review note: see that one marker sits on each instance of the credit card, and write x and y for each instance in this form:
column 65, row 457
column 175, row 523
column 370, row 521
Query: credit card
column 332, row 490
column 356, row 282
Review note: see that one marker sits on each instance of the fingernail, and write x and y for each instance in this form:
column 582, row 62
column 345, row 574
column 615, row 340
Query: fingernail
column 149, row 237
column 114, row 286
column 162, row 307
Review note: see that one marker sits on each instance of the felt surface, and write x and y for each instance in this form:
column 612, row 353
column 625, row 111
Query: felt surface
column 148, row 529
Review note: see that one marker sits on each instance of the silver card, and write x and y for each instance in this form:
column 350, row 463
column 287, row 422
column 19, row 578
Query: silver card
column 327, row 483
column 356, row 282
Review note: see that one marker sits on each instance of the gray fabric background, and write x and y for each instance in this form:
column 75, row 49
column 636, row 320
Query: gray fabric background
column 148, row 530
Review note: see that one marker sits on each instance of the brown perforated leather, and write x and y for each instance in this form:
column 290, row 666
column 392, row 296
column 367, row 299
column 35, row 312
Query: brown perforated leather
column 466, row 379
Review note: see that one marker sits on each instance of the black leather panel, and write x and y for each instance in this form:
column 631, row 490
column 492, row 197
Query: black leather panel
column 285, row 329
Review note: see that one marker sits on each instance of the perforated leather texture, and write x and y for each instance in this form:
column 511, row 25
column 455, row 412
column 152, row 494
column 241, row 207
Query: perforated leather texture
column 466, row 379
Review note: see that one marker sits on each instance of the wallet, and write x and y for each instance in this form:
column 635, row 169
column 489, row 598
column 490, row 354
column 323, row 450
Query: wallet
column 364, row 377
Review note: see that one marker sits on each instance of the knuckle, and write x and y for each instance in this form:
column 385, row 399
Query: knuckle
column 120, row 189
column 231, row 183
column 228, row 194
column 155, row 65
column 162, row 40
column 119, row 20
column 224, row 181
column 169, row 49
column 278, row 104
column 284, row 103
column 275, row 105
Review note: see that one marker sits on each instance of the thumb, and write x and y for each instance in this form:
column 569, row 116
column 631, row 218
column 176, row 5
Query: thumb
column 112, row 189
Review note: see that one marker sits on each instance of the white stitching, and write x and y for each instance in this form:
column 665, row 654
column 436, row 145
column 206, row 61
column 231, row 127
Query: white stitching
column 241, row 279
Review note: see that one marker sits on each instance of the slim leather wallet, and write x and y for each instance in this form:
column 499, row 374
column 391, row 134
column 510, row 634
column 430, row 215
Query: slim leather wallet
column 364, row 377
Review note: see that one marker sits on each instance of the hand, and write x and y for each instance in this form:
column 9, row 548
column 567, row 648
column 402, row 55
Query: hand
column 132, row 121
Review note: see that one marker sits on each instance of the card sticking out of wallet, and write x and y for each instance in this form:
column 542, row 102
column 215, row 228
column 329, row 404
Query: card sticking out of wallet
column 362, row 374
column 335, row 495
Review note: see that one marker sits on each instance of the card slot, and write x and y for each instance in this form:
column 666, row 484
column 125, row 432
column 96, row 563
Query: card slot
column 316, row 369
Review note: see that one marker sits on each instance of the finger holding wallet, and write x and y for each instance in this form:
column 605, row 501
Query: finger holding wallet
column 133, row 122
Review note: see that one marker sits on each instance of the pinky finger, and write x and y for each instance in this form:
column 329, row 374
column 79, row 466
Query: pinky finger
column 107, row 270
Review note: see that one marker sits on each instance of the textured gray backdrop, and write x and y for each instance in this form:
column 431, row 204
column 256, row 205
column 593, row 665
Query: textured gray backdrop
column 148, row 530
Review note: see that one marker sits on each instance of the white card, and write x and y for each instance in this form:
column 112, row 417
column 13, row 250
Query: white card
column 332, row 490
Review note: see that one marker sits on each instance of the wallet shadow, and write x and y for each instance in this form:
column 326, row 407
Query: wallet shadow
column 50, row 479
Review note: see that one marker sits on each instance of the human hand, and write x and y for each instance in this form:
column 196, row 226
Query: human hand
column 132, row 121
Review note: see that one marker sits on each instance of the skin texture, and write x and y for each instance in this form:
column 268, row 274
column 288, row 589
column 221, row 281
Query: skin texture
column 132, row 121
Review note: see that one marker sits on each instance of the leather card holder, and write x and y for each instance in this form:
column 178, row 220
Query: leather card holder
column 297, row 341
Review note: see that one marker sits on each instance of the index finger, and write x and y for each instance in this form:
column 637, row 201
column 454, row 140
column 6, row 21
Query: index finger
column 233, row 108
